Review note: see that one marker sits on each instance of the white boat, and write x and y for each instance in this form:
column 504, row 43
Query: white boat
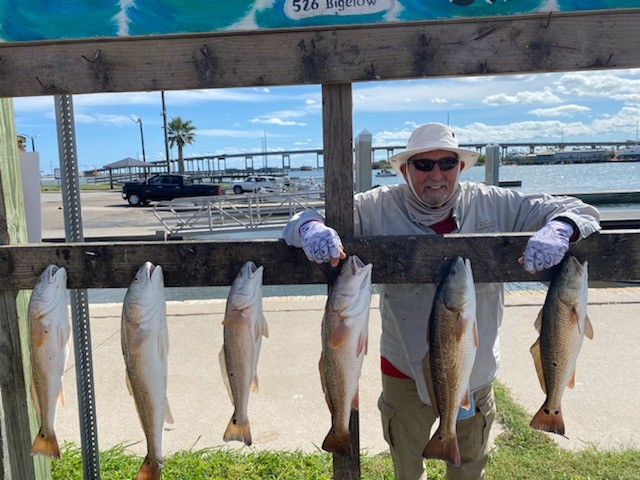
column 386, row 172
column 630, row 153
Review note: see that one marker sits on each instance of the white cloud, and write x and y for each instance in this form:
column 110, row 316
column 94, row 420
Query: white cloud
column 277, row 121
column 219, row 132
column 545, row 97
column 600, row 84
column 561, row 111
column 101, row 119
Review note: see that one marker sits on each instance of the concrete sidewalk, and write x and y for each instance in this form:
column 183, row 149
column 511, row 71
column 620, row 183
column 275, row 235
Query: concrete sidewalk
column 289, row 412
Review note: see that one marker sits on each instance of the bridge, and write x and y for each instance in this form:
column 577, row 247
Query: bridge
column 215, row 169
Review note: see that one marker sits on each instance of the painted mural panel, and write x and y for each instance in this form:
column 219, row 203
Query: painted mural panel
column 22, row 20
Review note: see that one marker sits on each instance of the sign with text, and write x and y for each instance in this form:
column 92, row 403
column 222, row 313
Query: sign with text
column 297, row 9
column 64, row 19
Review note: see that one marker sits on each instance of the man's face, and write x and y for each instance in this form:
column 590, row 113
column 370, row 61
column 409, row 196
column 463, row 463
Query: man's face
column 435, row 186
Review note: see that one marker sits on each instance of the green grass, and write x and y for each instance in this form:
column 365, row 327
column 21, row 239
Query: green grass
column 521, row 453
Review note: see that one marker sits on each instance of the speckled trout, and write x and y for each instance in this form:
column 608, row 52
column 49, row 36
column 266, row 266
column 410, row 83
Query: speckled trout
column 562, row 323
column 49, row 331
column 453, row 341
column 345, row 328
column 145, row 345
column 244, row 327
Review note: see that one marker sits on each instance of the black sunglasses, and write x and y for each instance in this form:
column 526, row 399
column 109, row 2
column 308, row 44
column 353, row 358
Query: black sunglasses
column 426, row 164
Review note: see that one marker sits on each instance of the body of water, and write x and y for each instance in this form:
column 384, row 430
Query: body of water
column 574, row 178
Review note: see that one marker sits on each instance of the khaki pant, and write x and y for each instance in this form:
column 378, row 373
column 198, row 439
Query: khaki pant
column 407, row 422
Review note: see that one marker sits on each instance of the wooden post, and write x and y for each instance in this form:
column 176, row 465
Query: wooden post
column 20, row 423
column 337, row 134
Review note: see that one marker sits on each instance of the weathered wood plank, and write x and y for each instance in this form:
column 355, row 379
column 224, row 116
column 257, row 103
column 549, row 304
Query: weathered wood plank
column 324, row 55
column 337, row 134
column 613, row 256
column 21, row 423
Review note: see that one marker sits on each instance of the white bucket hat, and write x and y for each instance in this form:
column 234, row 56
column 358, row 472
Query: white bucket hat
column 429, row 137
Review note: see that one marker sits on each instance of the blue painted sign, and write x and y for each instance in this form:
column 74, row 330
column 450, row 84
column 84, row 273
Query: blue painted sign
column 22, row 20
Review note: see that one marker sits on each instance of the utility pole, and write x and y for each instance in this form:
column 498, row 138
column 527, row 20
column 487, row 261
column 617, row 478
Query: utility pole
column 139, row 121
column 166, row 139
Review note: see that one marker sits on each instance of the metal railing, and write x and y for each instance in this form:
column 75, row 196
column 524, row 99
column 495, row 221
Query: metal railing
column 225, row 213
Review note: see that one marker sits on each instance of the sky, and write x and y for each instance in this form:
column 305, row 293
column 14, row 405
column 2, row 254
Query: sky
column 575, row 106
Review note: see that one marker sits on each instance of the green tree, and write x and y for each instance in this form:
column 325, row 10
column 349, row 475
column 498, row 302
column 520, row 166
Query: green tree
column 180, row 132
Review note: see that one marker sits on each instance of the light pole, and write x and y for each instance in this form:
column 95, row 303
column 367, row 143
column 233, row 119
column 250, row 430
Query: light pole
column 33, row 140
column 135, row 119
column 166, row 139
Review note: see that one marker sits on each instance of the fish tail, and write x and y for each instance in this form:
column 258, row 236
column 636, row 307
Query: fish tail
column 444, row 447
column 240, row 431
column 46, row 445
column 338, row 443
column 150, row 469
column 548, row 420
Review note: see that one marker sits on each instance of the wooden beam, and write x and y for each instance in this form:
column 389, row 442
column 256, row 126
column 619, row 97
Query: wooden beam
column 542, row 42
column 337, row 134
column 20, row 421
column 613, row 256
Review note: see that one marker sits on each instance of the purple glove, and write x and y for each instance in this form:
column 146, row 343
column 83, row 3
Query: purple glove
column 547, row 246
column 319, row 242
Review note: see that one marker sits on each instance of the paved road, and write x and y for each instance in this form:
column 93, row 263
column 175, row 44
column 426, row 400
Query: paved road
column 290, row 412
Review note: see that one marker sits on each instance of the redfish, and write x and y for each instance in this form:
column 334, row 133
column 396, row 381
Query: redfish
column 562, row 323
column 145, row 346
column 345, row 328
column 49, row 331
column 453, row 341
column 244, row 327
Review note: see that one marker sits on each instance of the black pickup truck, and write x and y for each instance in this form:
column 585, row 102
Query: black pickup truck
column 166, row 187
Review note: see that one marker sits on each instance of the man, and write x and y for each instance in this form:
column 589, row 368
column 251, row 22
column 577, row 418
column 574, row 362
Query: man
column 433, row 201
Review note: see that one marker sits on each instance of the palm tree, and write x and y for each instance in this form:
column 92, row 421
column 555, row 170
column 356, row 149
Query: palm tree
column 180, row 133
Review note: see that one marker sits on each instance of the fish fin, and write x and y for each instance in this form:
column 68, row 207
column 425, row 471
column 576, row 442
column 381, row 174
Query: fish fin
column 572, row 379
column 323, row 381
column 140, row 334
column 466, row 402
column 265, row 328
column 34, row 395
column 355, row 402
column 461, row 326
column 537, row 361
column 538, row 322
column 340, row 334
column 363, row 340
column 335, row 443
column 238, row 431
column 548, row 421
column 128, row 381
column 163, row 346
column 47, row 446
column 574, row 318
column 444, row 447
column 61, row 400
column 475, row 334
column 426, row 368
column 236, row 318
column 225, row 373
column 168, row 417
column 588, row 328
column 149, row 470
column 63, row 337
